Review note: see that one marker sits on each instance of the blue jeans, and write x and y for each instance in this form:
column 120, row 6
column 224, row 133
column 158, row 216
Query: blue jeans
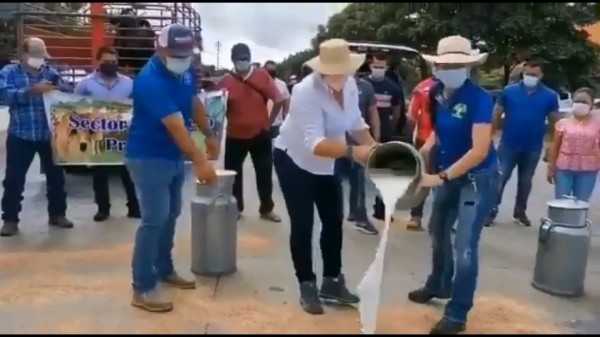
column 356, row 179
column 579, row 184
column 474, row 196
column 159, row 185
column 526, row 162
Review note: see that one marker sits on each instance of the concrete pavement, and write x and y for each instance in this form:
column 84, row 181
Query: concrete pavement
column 78, row 280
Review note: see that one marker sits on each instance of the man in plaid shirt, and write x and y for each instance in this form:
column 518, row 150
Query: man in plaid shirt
column 22, row 87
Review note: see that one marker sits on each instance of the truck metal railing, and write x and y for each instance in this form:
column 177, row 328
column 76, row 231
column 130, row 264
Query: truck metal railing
column 69, row 32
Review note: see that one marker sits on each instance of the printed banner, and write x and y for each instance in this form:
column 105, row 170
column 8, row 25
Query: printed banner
column 215, row 104
column 91, row 132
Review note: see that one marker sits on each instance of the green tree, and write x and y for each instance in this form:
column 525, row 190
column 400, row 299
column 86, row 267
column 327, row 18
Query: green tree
column 293, row 63
column 510, row 31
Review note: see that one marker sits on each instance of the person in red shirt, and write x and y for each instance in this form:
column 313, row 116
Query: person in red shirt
column 420, row 113
column 248, row 127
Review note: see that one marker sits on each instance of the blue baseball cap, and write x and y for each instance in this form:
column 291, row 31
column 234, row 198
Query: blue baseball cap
column 177, row 39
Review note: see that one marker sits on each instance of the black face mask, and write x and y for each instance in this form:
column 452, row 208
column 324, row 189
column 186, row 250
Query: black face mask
column 272, row 72
column 108, row 69
column 207, row 85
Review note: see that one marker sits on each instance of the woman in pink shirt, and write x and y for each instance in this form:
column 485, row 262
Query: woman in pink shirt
column 575, row 153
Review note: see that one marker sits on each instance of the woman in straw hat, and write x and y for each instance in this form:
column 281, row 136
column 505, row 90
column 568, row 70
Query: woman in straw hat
column 323, row 109
column 468, row 181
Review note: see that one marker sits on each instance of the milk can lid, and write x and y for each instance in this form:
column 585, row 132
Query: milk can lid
column 569, row 203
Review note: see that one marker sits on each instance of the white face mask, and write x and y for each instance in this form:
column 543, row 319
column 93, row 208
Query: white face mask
column 530, row 81
column 35, row 63
column 378, row 73
column 178, row 66
column 242, row 66
column 452, row 78
column 581, row 109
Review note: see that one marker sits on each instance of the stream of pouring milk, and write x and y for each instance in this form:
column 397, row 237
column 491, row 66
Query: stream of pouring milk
column 391, row 188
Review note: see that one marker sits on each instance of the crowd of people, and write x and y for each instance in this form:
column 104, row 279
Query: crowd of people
column 314, row 133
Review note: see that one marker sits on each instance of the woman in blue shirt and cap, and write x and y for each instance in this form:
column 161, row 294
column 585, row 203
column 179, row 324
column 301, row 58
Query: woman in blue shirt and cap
column 323, row 108
column 468, row 180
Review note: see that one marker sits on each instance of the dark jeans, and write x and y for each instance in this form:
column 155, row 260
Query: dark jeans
column 261, row 153
column 19, row 156
column 474, row 196
column 303, row 190
column 100, row 179
column 356, row 179
column 379, row 207
column 526, row 162
column 274, row 131
column 159, row 184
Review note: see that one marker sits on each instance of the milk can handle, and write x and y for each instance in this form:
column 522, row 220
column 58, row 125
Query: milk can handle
column 217, row 197
column 545, row 228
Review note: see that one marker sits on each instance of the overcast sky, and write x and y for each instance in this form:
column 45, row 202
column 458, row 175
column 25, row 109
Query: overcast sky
column 271, row 30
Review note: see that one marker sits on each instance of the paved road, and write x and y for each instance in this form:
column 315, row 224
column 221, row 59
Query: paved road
column 77, row 281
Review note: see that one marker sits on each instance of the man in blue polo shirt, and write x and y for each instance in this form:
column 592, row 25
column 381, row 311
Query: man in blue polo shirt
column 164, row 105
column 389, row 99
column 527, row 106
column 468, row 181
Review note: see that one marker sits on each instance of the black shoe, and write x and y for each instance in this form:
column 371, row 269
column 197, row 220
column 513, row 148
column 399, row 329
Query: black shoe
column 60, row 222
column 380, row 217
column 10, row 228
column 489, row 222
column 422, row 296
column 134, row 213
column 522, row 219
column 334, row 290
column 101, row 216
column 366, row 227
column 447, row 327
column 309, row 298
column 350, row 218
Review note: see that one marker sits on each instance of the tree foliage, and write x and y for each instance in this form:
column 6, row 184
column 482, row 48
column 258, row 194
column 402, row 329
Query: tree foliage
column 511, row 32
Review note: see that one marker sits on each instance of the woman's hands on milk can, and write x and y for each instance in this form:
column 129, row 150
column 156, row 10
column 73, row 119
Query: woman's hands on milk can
column 430, row 180
column 361, row 153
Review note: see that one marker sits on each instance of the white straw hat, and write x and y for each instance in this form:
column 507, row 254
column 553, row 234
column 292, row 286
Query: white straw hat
column 335, row 58
column 455, row 50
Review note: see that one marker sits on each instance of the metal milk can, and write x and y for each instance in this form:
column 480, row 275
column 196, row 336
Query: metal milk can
column 214, row 227
column 563, row 246
column 399, row 159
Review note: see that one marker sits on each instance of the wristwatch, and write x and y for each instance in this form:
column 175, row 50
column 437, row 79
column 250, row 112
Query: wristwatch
column 444, row 176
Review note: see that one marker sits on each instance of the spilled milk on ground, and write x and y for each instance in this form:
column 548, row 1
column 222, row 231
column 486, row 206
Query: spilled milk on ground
column 391, row 188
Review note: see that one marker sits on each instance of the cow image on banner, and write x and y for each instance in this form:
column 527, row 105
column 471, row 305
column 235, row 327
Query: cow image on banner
column 87, row 131
column 91, row 132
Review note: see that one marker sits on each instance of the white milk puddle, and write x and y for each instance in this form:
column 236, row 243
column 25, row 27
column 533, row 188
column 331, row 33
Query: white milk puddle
column 391, row 188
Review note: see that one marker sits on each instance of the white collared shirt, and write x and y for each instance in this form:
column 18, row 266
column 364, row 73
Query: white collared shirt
column 314, row 116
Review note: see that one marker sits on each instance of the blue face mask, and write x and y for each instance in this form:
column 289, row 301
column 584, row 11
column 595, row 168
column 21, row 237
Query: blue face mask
column 178, row 66
column 242, row 65
column 452, row 78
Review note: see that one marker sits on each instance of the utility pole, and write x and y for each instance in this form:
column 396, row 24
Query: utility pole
column 218, row 46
